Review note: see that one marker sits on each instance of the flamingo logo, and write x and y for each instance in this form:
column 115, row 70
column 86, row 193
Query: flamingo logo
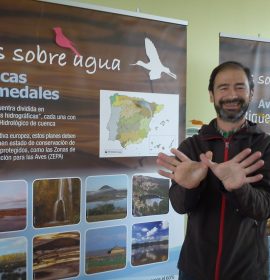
column 154, row 65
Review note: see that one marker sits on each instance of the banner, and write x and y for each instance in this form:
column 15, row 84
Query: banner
column 89, row 97
column 255, row 55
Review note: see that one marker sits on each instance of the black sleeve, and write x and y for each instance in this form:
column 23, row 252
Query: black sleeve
column 253, row 200
column 185, row 200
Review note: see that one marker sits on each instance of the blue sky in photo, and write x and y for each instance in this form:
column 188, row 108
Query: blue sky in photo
column 118, row 182
column 12, row 194
column 106, row 238
column 12, row 245
column 150, row 232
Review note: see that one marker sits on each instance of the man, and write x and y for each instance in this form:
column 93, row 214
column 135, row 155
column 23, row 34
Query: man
column 221, row 179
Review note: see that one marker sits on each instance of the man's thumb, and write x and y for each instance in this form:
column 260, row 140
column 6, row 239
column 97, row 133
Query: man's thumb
column 209, row 155
column 207, row 158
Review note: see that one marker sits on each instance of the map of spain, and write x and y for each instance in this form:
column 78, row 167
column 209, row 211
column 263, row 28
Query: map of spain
column 130, row 119
column 137, row 123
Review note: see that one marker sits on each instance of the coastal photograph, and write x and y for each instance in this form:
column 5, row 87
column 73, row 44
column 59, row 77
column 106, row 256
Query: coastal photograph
column 13, row 258
column 105, row 249
column 56, row 255
column 150, row 195
column 56, row 202
column 106, row 197
column 13, row 201
column 150, row 243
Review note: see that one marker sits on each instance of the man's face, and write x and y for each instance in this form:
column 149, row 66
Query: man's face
column 231, row 95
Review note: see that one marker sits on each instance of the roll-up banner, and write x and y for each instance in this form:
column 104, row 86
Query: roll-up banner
column 255, row 54
column 89, row 97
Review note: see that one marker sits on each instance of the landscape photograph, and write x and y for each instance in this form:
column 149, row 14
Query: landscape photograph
column 56, row 255
column 150, row 195
column 105, row 249
column 106, row 197
column 13, row 205
column 56, row 202
column 150, row 243
column 13, row 258
column 268, row 228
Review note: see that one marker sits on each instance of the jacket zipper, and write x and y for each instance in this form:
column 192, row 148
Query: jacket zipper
column 222, row 216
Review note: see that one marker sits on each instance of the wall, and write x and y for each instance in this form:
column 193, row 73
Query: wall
column 206, row 19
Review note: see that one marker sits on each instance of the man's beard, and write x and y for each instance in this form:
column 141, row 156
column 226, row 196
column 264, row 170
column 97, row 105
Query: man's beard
column 231, row 115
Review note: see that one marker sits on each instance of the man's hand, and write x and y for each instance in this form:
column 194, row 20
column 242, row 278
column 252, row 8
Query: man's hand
column 184, row 171
column 234, row 173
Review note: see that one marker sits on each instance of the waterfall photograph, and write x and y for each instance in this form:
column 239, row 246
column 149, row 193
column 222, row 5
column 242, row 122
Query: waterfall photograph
column 56, row 202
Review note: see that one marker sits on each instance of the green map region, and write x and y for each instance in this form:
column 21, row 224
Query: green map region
column 130, row 119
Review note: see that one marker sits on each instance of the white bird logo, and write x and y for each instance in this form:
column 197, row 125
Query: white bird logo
column 154, row 65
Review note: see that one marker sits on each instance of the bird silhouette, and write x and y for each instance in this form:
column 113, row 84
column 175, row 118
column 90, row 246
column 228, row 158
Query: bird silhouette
column 62, row 41
column 154, row 65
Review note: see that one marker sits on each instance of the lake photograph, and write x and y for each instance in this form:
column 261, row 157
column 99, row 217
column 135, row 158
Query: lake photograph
column 13, row 258
column 150, row 195
column 105, row 249
column 106, row 197
column 13, row 205
column 150, row 243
